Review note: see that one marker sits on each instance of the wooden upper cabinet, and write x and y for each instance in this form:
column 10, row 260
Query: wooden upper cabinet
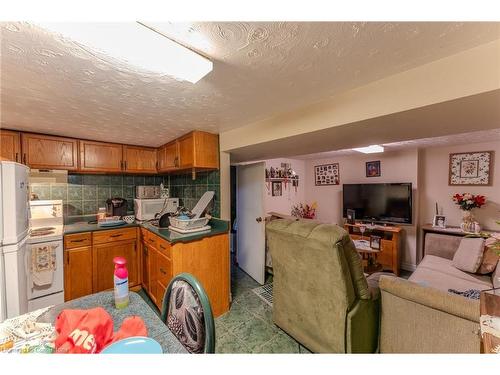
column 168, row 157
column 139, row 159
column 48, row 152
column 10, row 145
column 199, row 150
column 101, row 157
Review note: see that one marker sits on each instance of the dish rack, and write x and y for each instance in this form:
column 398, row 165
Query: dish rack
column 189, row 224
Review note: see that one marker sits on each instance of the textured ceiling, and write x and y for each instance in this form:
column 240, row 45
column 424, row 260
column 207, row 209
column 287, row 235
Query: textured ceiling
column 53, row 85
column 448, row 140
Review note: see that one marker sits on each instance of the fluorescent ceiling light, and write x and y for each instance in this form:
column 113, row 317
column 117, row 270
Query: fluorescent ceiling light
column 137, row 45
column 370, row 149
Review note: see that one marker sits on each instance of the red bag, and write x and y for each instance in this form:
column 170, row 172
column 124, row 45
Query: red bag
column 89, row 331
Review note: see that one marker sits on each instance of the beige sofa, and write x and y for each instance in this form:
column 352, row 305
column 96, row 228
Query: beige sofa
column 419, row 315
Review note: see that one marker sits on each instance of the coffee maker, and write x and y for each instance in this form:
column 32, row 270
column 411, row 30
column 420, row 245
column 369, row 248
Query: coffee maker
column 116, row 207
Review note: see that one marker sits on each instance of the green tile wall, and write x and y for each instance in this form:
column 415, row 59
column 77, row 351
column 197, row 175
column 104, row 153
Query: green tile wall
column 189, row 191
column 84, row 194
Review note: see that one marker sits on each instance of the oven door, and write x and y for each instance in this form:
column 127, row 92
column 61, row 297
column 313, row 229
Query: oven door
column 44, row 268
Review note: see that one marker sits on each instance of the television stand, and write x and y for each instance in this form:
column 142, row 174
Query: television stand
column 388, row 256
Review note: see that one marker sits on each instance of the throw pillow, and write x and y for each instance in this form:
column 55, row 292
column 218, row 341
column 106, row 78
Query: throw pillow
column 489, row 263
column 469, row 255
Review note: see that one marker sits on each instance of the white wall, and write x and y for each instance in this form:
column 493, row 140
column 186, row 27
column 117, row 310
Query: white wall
column 395, row 167
column 284, row 203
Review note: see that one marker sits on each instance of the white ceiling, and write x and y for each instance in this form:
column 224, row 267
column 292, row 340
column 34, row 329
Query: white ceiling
column 52, row 85
column 448, row 140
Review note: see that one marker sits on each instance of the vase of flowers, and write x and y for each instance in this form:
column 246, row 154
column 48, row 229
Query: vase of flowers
column 467, row 202
column 304, row 211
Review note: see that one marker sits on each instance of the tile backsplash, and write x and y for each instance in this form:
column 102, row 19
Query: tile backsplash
column 84, row 194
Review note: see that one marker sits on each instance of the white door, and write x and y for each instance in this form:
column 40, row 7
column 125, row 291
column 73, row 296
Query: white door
column 251, row 252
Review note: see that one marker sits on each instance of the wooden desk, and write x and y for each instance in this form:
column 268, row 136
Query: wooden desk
column 388, row 256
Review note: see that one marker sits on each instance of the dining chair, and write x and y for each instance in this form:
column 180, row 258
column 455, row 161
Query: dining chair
column 187, row 313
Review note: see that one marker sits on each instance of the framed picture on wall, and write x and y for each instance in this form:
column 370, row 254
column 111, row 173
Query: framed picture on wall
column 277, row 189
column 470, row 168
column 327, row 174
column 373, row 168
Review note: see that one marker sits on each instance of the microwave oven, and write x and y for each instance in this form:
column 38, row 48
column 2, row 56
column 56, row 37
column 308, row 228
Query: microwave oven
column 146, row 209
column 147, row 192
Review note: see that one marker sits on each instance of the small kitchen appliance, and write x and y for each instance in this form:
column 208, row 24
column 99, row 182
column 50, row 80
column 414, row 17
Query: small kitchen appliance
column 147, row 192
column 148, row 209
column 116, row 207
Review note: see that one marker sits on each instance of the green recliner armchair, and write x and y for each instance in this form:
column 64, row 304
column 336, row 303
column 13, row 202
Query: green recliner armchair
column 321, row 296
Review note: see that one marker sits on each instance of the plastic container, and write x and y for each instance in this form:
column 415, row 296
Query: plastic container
column 101, row 214
column 121, row 282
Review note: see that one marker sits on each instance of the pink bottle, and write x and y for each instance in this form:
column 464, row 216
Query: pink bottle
column 121, row 282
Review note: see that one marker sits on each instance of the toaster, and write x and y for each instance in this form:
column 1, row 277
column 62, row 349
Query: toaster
column 147, row 192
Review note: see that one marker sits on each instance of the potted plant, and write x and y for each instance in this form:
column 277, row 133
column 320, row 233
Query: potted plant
column 304, row 211
column 467, row 202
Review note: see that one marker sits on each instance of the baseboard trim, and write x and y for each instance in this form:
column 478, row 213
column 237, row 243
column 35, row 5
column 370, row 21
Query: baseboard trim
column 408, row 266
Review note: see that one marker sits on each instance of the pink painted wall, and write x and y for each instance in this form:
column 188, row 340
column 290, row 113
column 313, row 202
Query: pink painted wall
column 395, row 167
column 427, row 170
column 290, row 197
column 434, row 186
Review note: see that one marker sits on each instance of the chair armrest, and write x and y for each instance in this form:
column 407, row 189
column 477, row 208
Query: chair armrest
column 456, row 305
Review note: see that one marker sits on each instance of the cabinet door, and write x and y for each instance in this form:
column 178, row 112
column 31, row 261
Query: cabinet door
column 139, row 159
column 186, row 151
column 10, row 145
column 148, row 270
column 169, row 157
column 77, row 272
column 103, row 265
column 206, row 150
column 163, row 277
column 47, row 152
column 100, row 157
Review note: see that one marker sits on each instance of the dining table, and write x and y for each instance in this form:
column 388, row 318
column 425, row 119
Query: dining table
column 157, row 330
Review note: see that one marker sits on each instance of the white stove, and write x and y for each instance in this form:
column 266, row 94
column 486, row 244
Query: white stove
column 44, row 255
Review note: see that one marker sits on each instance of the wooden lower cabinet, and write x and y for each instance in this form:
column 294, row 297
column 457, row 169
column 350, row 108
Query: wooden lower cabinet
column 88, row 260
column 103, row 265
column 206, row 259
column 77, row 272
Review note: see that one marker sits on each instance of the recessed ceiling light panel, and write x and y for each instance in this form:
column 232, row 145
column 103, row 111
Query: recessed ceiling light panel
column 373, row 149
column 137, row 45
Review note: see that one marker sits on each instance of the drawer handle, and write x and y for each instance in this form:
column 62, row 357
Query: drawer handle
column 77, row 240
column 151, row 240
column 163, row 247
column 163, row 271
column 116, row 235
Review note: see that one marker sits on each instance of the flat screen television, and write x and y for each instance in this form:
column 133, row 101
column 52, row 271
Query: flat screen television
column 387, row 203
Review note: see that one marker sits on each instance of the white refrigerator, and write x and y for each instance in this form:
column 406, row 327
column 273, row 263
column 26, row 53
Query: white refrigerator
column 14, row 231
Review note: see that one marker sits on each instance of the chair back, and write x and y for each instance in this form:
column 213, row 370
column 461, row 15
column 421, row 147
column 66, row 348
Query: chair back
column 187, row 313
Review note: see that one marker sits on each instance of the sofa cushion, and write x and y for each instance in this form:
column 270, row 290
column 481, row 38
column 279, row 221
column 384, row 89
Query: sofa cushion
column 469, row 254
column 496, row 277
column 439, row 273
column 489, row 262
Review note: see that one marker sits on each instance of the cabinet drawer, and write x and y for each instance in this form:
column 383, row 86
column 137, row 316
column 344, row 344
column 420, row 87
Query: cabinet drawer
column 163, row 269
column 150, row 238
column 77, row 240
column 163, row 247
column 113, row 235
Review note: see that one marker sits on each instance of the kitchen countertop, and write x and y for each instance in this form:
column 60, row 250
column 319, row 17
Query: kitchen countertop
column 157, row 330
column 218, row 227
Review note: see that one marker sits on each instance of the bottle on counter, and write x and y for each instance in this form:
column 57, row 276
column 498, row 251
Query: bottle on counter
column 121, row 282
column 101, row 213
